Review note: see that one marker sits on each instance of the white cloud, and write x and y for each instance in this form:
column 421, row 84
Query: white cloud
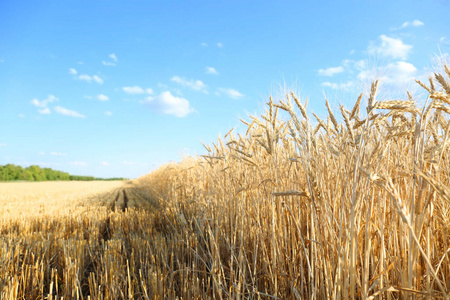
column 89, row 78
column 367, row 75
column 415, row 23
column 58, row 154
column 220, row 45
column 133, row 89
column 3, row 145
column 113, row 57
column 230, row 93
column 67, row 112
column 339, row 86
column 390, row 47
column 105, row 163
column 400, row 73
column 169, row 104
column 204, row 44
column 360, row 64
column 149, row 91
column 394, row 74
column 108, row 113
column 85, row 77
column 211, row 70
column 21, row 116
column 331, row 71
column 196, row 85
column 350, row 65
column 332, row 85
column 110, row 63
column 102, row 97
column 73, row 71
column 45, row 102
column 44, row 111
column 97, row 79
column 79, row 163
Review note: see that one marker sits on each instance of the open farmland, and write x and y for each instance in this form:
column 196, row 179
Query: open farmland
column 71, row 239
column 293, row 208
column 27, row 200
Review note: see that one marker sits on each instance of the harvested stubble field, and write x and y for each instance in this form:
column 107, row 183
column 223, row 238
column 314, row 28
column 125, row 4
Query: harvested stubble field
column 293, row 209
column 72, row 239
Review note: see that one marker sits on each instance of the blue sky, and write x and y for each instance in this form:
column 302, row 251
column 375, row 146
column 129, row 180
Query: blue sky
column 117, row 88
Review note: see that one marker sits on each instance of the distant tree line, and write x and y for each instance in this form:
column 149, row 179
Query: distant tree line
column 12, row 172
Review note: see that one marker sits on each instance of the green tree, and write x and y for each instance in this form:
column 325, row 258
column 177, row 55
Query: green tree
column 37, row 172
column 26, row 175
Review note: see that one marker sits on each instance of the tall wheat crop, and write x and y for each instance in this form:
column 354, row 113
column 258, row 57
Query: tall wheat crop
column 354, row 206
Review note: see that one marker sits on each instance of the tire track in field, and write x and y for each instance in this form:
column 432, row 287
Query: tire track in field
column 124, row 198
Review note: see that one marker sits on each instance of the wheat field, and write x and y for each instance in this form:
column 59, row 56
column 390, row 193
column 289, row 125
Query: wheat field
column 352, row 206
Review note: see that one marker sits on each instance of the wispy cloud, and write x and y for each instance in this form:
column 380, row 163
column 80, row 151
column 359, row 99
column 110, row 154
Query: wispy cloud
column 85, row 77
column 339, row 86
column 390, row 47
column 44, row 111
column 73, row 71
column 102, row 97
column 113, row 57
column 67, row 112
column 232, row 93
column 112, row 63
column 90, row 78
column 45, row 102
column 211, row 70
column 133, row 89
column 350, row 64
column 196, row 85
column 415, row 23
column 108, row 113
column 204, row 44
column 105, row 163
column 331, row 71
column 220, row 45
column 169, row 104
column 393, row 74
column 58, row 154
column 400, row 73
column 3, row 145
